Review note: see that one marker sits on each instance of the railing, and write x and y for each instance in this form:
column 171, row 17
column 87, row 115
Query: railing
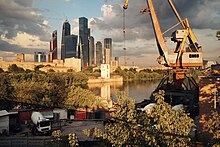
column 24, row 141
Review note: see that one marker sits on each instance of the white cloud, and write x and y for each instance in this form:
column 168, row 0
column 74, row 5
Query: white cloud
column 25, row 40
column 140, row 43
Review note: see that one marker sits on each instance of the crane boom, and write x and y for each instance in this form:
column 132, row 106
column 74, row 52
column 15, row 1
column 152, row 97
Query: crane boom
column 158, row 34
column 192, row 38
column 125, row 6
column 187, row 53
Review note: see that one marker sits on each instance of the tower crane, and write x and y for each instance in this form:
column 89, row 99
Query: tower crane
column 179, row 88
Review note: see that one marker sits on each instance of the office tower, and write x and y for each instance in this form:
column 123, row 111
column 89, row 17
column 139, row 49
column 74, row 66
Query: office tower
column 1, row 59
column 65, row 32
column 20, row 57
column 89, row 32
column 84, row 33
column 117, row 59
column 108, row 44
column 107, row 58
column 39, row 57
column 91, row 51
column 71, row 46
column 98, row 53
column 53, row 47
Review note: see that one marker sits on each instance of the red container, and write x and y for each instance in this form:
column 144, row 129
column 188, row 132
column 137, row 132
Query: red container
column 79, row 115
column 24, row 115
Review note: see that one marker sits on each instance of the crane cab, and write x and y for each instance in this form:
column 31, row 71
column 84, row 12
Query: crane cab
column 178, row 35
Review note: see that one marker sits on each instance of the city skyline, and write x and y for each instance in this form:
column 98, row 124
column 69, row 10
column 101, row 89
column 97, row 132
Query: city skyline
column 29, row 30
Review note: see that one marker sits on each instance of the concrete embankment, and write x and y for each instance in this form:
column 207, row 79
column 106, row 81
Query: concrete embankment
column 102, row 80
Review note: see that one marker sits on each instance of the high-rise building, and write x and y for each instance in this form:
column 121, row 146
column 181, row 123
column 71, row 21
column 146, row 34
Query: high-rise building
column 107, row 58
column 20, row 57
column 39, row 57
column 71, row 46
column 65, row 32
column 117, row 59
column 108, row 45
column 53, row 47
column 84, row 33
column 99, row 53
column 91, row 51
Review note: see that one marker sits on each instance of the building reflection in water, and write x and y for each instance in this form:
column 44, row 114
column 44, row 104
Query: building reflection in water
column 105, row 90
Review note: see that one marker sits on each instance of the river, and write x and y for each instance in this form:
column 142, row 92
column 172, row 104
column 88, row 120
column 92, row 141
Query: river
column 138, row 90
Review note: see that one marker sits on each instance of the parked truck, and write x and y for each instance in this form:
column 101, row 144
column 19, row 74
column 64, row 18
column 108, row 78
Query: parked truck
column 41, row 125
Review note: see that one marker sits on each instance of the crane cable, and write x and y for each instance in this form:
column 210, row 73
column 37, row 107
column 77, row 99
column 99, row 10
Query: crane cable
column 125, row 58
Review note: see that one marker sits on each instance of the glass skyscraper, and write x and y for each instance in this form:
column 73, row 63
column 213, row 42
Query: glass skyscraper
column 84, row 33
column 53, row 47
column 92, row 51
column 71, row 46
column 108, row 45
column 99, row 53
column 65, row 32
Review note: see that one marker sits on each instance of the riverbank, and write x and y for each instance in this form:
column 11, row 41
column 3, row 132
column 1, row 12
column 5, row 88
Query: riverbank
column 102, row 80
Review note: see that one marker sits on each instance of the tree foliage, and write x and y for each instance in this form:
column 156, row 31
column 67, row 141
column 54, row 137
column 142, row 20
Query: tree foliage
column 46, row 89
column 6, row 90
column 132, row 74
column 213, row 126
column 1, row 70
column 60, row 140
column 81, row 98
column 163, row 126
column 15, row 69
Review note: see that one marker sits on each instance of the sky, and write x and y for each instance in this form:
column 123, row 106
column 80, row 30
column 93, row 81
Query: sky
column 26, row 26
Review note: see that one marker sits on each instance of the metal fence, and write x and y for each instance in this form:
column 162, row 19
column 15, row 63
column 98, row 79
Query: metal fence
column 24, row 141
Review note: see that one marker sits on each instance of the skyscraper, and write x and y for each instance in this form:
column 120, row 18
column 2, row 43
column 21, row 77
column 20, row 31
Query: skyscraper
column 84, row 33
column 65, row 32
column 107, row 58
column 98, row 53
column 91, row 51
column 71, row 46
column 53, row 47
column 20, row 57
column 108, row 45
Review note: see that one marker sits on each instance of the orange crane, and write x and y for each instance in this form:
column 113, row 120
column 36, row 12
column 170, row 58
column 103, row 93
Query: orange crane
column 180, row 89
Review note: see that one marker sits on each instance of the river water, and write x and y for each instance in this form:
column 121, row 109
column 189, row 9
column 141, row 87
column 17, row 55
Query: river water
column 138, row 90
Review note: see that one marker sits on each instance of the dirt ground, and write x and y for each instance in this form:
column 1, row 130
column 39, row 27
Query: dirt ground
column 78, row 127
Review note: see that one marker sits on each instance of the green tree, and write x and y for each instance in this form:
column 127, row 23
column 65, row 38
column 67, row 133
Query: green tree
column 172, row 126
column 15, row 69
column 213, row 127
column 81, row 98
column 1, row 70
column 6, row 90
column 162, row 126
column 51, row 70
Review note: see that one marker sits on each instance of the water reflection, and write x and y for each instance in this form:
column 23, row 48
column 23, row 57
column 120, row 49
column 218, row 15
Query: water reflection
column 137, row 90
column 105, row 90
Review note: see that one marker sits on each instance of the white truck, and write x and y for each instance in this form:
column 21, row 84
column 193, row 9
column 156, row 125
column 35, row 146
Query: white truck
column 41, row 125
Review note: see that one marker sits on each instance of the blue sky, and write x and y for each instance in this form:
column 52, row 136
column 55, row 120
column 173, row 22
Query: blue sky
column 57, row 12
column 26, row 25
